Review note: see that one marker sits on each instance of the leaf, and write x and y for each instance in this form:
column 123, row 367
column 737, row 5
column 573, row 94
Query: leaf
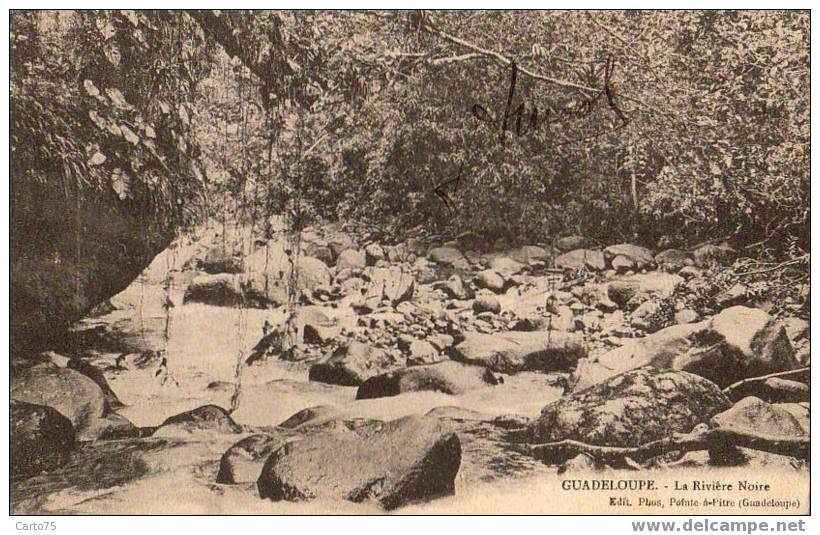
column 166, row 109
column 121, row 183
column 113, row 55
column 131, row 15
column 183, row 115
column 714, row 168
column 117, row 98
column 90, row 88
column 97, row 120
column 129, row 135
column 114, row 129
column 149, row 132
column 98, row 158
column 106, row 28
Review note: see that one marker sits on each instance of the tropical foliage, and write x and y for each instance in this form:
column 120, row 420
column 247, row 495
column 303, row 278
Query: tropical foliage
column 653, row 126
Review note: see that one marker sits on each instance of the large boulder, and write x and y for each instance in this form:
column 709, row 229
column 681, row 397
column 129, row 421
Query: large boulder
column 641, row 256
column 486, row 303
column 448, row 256
column 394, row 464
column 801, row 411
column 490, row 280
column 510, row 352
column 581, row 258
column 638, row 288
column 71, row 393
column 350, row 259
column 321, row 325
column 374, row 253
column 568, row 243
column 754, row 415
column 506, row 266
column 738, row 343
column 41, row 439
column 631, row 409
column 243, row 461
column 205, row 419
column 339, row 242
column 68, row 254
column 448, row 377
column 423, row 352
column 353, row 364
column 391, row 283
column 269, row 271
column 530, row 254
column 112, row 402
column 759, row 341
column 454, row 287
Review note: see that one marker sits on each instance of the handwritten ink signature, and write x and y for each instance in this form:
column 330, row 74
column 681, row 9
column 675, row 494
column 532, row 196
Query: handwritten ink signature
column 527, row 122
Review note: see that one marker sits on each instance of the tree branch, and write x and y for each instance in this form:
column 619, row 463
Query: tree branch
column 431, row 28
column 733, row 389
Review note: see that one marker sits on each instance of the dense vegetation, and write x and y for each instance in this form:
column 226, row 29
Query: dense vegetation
column 672, row 127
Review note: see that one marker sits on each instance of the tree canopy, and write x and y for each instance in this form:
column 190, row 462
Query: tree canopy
column 649, row 125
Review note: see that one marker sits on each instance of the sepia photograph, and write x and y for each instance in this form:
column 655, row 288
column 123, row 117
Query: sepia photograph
column 409, row 262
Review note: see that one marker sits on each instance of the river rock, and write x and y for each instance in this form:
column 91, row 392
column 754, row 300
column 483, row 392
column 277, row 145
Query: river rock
column 208, row 418
column 631, row 409
column 490, row 280
column 530, row 254
column 455, row 288
column 448, row 256
column 423, row 352
column 269, row 271
column 404, row 461
column 687, row 315
column 622, row 264
column 41, row 439
column 373, row 253
column 801, row 412
column 506, row 266
column 339, row 242
column 392, row 283
column 642, row 256
column 71, row 393
column 243, row 461
column 738, row 343
column 568, row 243
column 580, row 258
column 650, row 316
column 51, row 286
column 510, row 352
column 447, row 377
column 112, row 402
column 754, row 415
column 350, row 259
column 638, row 288
column 486, row 303
column 353, row 364
column 737, row 294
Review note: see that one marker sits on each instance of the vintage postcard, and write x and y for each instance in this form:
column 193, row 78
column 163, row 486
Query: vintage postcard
column 411, row 262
